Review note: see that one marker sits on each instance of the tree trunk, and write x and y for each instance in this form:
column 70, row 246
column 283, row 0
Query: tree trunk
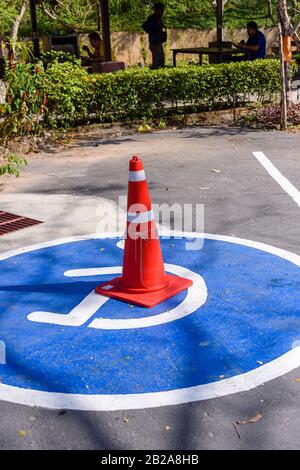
column 270, row 9
column 16, row 24
column 285, row 28
column 98, row 6
column 283, row 104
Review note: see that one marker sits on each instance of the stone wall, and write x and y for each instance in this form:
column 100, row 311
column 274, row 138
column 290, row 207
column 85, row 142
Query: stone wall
column 132, row 48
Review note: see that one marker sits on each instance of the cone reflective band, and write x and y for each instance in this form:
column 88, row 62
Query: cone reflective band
column 137, row 175
column 143, row 281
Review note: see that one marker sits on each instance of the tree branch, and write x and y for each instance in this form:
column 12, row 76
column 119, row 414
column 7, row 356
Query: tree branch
column 287, row 28
column 56, row 18
column 16, row 24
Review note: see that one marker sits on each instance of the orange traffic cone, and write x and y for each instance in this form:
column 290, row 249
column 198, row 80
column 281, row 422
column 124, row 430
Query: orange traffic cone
column 144, row 281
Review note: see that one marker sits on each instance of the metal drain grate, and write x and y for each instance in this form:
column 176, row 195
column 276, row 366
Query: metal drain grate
column 12, row 222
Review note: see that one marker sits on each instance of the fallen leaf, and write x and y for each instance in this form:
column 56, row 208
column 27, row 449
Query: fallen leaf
column 253, row 420
column 297, row 380
column 22, row 433
column 145, row 128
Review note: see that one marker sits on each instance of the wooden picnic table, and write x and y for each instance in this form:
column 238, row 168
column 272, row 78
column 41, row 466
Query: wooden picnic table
column 219, row 52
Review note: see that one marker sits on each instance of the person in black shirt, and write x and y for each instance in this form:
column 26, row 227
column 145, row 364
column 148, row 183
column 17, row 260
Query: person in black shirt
column 156, row 31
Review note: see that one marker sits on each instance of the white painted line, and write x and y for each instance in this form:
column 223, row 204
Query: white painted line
column 77, row 317
column 93, row 271
column 278, row 177
column 2, row 352
column 195, row 298
column 121, row 244
column 239, row 383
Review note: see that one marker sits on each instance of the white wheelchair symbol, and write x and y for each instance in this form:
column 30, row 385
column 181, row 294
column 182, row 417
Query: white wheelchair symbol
column 89, row 306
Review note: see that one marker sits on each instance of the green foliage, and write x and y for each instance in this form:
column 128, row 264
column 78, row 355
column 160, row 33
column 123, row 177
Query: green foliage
column 65, row 94
column 128, row 15
column 59, row 56
column 8, row 12
column 25, row 101
column 69, row 93
column 11, row 165
column 145, row 94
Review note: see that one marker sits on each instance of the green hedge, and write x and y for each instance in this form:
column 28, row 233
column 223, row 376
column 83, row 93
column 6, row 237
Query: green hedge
column 145, row 94
column 71, row 95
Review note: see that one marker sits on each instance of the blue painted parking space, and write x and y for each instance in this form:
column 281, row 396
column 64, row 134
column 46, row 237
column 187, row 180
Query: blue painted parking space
column 68, row 347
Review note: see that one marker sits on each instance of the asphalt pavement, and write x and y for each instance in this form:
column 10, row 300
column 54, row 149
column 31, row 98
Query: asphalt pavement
column 67, row 188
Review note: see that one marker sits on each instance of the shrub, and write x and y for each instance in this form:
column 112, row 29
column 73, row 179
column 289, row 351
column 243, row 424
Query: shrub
column 59, row 56
column 69, row 92
column 145, row 94
column 65, row 94
column 22, row 113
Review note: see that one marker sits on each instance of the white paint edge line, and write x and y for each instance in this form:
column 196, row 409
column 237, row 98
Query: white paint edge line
column 240, row 383
column 288, row 255
column 278, row 177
